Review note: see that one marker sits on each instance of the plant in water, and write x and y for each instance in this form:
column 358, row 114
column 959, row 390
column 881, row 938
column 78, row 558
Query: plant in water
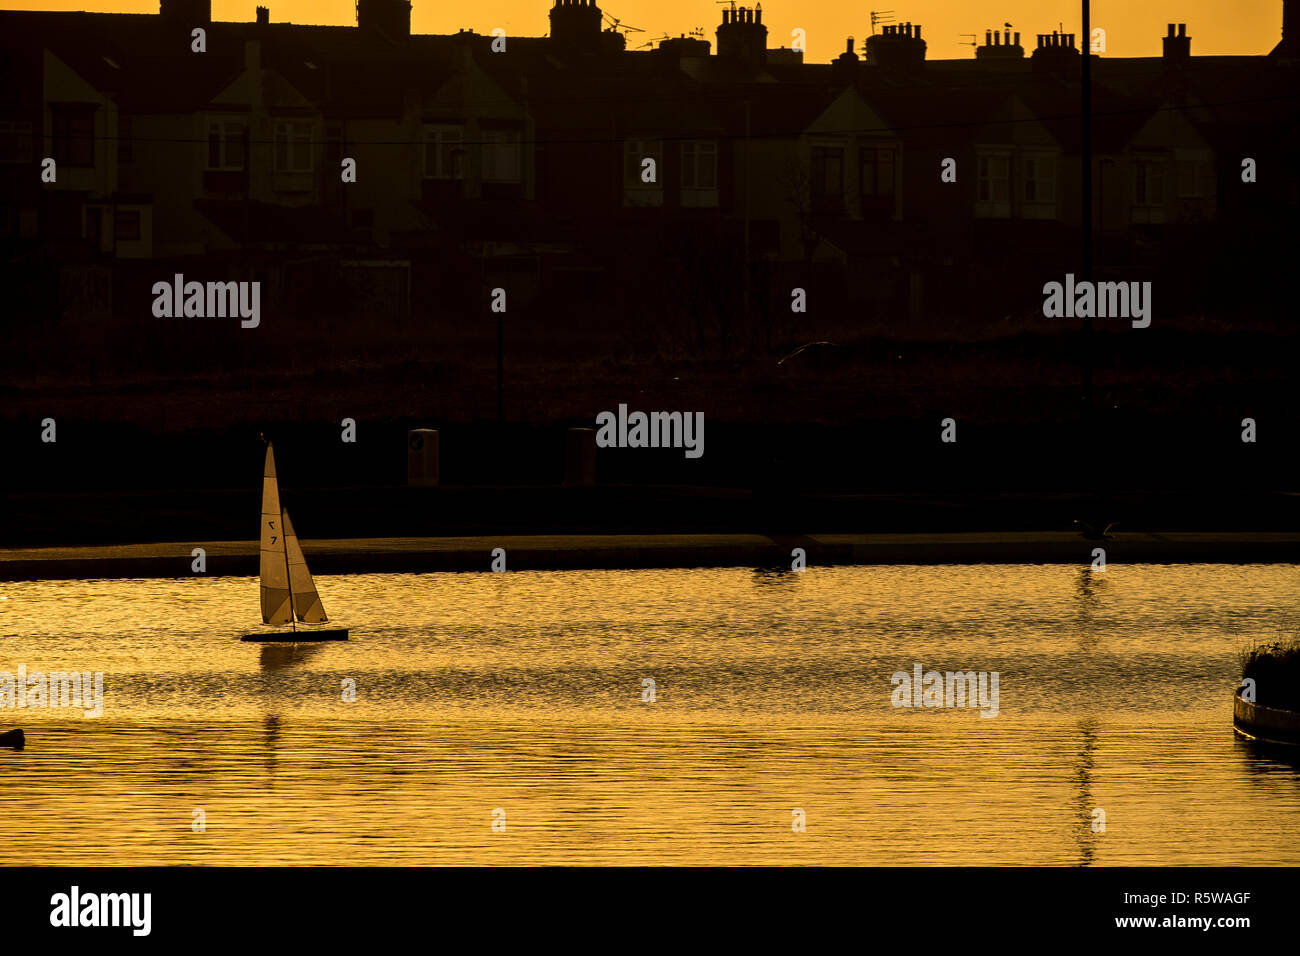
column 1275, row 669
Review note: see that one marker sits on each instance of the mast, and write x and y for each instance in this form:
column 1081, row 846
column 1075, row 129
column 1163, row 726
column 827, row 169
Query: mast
column 284, row 537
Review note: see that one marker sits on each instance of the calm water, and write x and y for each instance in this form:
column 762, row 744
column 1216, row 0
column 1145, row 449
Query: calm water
column 522, row 692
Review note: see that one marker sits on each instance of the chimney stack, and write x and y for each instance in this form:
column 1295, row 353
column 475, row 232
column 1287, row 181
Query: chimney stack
column 576, row 25
column 1177, row 48
column 263, row 16
column 392, row 18
column 191, row 12
column 846, row 64
column 743, row 37
column 899, row 47
column 998, row 46
column 1056, row 54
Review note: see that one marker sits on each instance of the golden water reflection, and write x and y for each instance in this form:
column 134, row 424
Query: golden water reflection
column 523, row 692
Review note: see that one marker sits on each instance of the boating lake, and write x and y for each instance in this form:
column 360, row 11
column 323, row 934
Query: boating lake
column 523, row 692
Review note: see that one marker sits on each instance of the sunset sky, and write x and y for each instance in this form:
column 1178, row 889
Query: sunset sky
column 1218, row 27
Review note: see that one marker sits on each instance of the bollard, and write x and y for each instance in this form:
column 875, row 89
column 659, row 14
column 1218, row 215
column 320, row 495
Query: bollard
column 422, row 458
column 580, row 456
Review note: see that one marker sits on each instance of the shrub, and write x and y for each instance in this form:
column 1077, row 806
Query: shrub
column 1275, row 669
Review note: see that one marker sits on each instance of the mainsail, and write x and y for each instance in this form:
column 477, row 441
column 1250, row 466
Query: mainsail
column 276, row 608
column 283, row 566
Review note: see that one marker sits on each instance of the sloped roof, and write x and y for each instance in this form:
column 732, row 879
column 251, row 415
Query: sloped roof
column 269, row 223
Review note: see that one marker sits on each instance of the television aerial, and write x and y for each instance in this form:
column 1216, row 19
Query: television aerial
column 880, row 16
column 616, row 24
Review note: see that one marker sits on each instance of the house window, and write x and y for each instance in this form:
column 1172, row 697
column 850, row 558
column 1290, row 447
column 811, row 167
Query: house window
column 293, row 146
column 699, row 164
column 635, row 153
column 444, row 152
column 827, row 183
column 1040, row 179
column 1193, row 178
column 994, row 176
column 500, row 156
column 126, row 226
column 15, row 141
column 1149, row 182
column 877, row 173
column 74, row 137
column 225, row 144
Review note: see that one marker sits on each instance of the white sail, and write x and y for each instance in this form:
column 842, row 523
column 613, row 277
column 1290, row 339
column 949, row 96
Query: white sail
column 276, row 607
column 306, row 602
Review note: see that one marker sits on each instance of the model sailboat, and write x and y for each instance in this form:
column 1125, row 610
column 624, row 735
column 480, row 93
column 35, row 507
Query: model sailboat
column 288, row 591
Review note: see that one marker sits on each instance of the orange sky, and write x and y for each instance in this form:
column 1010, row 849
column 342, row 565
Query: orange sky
column 1133, row 29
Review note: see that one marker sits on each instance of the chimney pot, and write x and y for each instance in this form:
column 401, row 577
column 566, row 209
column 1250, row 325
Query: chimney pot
column 1017, row 39
column 917, row 34
column 988, row 37
column 1171, row 30
column 263, row 14
column 997, row 37
column 1182, row 29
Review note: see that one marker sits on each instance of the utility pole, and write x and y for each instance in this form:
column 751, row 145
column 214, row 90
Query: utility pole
column 748, row 325
column 1085, row 159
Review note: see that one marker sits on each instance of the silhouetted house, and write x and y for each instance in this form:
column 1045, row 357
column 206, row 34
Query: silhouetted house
column 570, row 155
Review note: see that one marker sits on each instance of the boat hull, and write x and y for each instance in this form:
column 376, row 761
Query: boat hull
column 298, row 637
column 1268, row 724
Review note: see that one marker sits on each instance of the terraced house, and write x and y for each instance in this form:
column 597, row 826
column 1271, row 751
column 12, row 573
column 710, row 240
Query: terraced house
column 527, row 166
